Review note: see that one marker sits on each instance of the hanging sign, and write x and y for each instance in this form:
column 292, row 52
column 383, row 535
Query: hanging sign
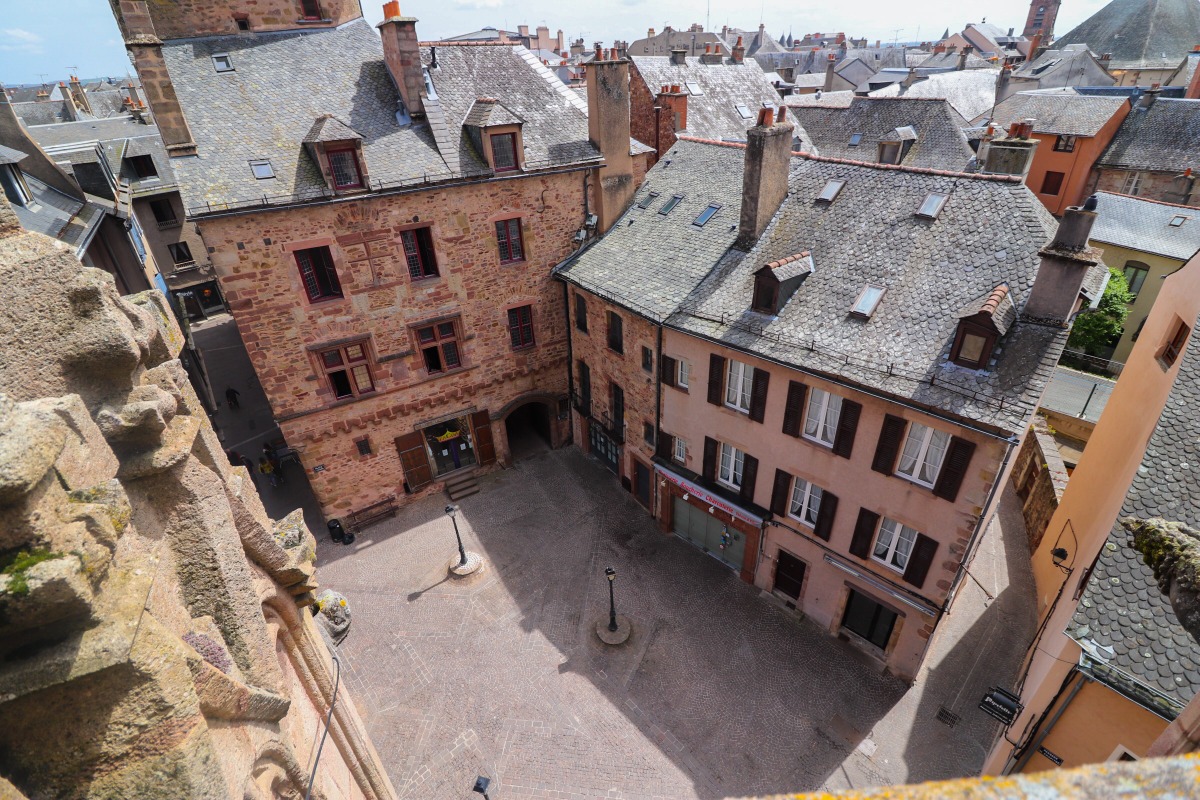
column 1001, row 705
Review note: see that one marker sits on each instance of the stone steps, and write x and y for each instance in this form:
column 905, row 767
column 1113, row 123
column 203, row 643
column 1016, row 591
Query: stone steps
column 463, row 485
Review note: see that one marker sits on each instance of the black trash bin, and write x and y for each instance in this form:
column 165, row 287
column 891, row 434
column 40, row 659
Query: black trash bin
column 336, row 531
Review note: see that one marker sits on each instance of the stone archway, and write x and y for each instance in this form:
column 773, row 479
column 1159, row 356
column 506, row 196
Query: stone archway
column 529, row 428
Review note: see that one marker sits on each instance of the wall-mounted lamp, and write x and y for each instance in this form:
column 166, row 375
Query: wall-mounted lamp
column 1059, row 555
column 686, row 496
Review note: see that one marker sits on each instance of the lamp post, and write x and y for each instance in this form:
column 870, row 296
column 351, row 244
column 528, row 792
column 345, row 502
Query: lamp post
column 481, row 786
column 611, row 574
column 462, row 554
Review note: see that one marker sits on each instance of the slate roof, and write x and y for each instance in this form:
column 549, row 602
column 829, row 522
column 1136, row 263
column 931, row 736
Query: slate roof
column 1059, row 113
column 10, row 156
column 755, row 42
column 56, row 215
column 120, row 137
column 713, row 114
column 997, row 304
column 328, row 128
column 283, row 81
column 487, row 111
column 1145, row 225
column 971, row 91
column 823, row 99
column 44, row 113
column 1122, row 607
column 1153, row 34
column 1164, row 137
column 950, row 61
column 940, row 143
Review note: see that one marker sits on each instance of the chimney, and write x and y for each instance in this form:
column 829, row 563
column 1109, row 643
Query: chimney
column 134, row 98
column 402, row 54
column 80, row 96
column 1193, row 88
column 145, row 50
column 1054, row 297
column 622, row 49
column 739, row 51
column 522, row 30
column 69, row 109
column 673, row 101
column 830, row 63
column 650, row 33
column 765, row 175
column 560, row 43
column 608, row 130
column 42, row 95
column 962, row 59
column 1002, row 84
column 712, row 54
column 679, row 56
column 1105, row 60
column 939, row 48
column 1149, row 96
column 1011, row 154
column 577, row 47
column 1035, row 42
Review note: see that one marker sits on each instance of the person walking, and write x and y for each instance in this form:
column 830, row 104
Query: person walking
column 265, row 468
column 231, row 397
column 273, row 460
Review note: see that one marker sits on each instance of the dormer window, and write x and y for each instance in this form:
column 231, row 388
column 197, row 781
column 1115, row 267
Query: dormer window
column 868, row 301
column 504, row 151
column 142, row 166
column 980, row 326
column 776, row 282
column 932, row 205
column 337, row 150
column 831, row 191
column 889, row 152
column 222, row 62
column 343, row 165
column 495, row 133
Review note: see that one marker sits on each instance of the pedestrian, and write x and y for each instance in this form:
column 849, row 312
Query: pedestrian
column 231, row 397
column 273, row 460
column 265, row 468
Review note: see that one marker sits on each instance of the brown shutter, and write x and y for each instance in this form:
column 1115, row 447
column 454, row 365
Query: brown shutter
column 823, row 528
column 843, row 440
column 667, row 371
column 888, row 448
column 666, row 445
column 710, row 459
column 954, row 468
column 716, row 379
column 749, row 477
column 864, row 533
column 919, row 560
column 414, row 460
column 779, row 493
column 758, row 394
column 485, row 450
column 793, row 409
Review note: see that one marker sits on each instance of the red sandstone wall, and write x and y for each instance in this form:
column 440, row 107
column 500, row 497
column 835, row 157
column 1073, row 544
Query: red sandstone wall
column 179, row 19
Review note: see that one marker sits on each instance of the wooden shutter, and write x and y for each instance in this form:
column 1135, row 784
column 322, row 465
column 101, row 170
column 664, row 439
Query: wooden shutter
column 667, row 371
column 749, row 477
column 919, row 560
column 823, row 528
column 710, row 459
column 843, row 440
column 758, row 394
column 666, row 446
column 793, row 409
column 485, row 449
column 954, row 468
column 864, row 533
column 890, row 439
column 414, row 460
column 716, row 379
column 780, row 492
column 585, row 388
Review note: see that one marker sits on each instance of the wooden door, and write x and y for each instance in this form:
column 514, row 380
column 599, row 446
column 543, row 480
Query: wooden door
column 485, row 449
column 415, row 460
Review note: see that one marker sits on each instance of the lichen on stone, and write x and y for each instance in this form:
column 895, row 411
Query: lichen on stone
column 112, row 498
column 209, row 649
column 1172, row 551
column 17, row 565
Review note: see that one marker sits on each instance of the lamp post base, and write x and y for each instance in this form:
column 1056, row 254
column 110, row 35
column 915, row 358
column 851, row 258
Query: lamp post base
column 620, row 635
column 474, row 564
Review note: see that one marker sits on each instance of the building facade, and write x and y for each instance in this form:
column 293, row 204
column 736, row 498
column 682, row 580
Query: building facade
column 1154, row 153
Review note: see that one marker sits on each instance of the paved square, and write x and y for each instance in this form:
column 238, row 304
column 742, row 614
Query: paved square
column 719, row 692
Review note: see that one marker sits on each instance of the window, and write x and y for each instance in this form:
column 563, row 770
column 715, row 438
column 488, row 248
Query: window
column 739, row 378
column 971, row 350
column 806, row 501
column 243, row 23
column 1178, row 220
column 743, row 111
column 683, row 373
column 222, row 62
column 894, row 544
column 585, row 388
column 363, row 445
column 181, row 254
column 647, row 433
column 520, row 327
column 617, row 407
column 310, row 9
column 831, row 191
column 616, row 335
column 647, row 200
column 164, row 213
column 868, row 300
column 581, row 313
column 821, row 419
column 143, row 166
column 1133, row 183
column 1135, row 275
column 647, row 359
column 694, row 89
column 889, row 152
column 347, row 371
column 680, row 450
column 868, row 619
column 1065, row 144
column 931, row 206
column 924, row 449
column 439, row 347
column 1174, row 347
column 343, row 164
column 670, row 204
column 418, row 253
column 706, row 214
column 262, row 170
column 856, row 139
column 730, row 470
column 508, row 239
column 504, row 151
column 318, row 274
column 1052, row 182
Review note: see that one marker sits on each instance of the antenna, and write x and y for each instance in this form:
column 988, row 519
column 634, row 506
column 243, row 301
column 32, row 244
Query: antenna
column 708, row 16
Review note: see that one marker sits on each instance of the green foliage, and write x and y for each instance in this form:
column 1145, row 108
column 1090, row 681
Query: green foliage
column 16, row 566
column 1093, row 331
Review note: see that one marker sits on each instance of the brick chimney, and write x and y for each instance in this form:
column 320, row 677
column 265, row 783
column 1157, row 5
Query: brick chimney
column 650, row 33
column 1054, row 297
column 679, row 56
column 1148, row 97
column 739, row 51
column 145, row 50
column 938, row 49
column 674, row 102
column 711, row 54
column 962, row 59
column 1034, row 43
column 402, row 54
column 1011, row 154
column 80, row 96
column 608, row 129
column 765, row 175
column 830, row 63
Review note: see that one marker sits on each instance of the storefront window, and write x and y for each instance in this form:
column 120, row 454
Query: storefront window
column 451, row 444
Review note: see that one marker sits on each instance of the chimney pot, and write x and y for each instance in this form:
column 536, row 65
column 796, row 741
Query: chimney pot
column 674, row 88
column 782, row 116
column 391, row 9
column 764, row 117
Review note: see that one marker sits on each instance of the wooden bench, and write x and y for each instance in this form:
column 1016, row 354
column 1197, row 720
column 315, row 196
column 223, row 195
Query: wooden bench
column 357, row 520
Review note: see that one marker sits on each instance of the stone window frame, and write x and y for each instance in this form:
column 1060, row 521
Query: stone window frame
column 581, row 313
column 438, row 340
column 520, row 331
column 505, row 240
column 349, row 364
column 409, row 251
column 616, row 333
column 335, row 291
column 308, row 6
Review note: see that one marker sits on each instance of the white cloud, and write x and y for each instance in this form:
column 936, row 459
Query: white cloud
column 20, row 41
column 21, row 35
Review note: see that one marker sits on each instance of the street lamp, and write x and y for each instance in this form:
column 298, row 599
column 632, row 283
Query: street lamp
column 462, row 554
column 612, row 605
column 481, row 786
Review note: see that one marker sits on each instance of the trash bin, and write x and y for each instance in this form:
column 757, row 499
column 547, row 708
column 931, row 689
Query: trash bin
column 336, row 531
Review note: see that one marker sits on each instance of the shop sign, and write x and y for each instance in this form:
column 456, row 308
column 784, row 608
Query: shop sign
column 319, row 468
column 1056, row 759
column 706, row 496
column 1001, row 705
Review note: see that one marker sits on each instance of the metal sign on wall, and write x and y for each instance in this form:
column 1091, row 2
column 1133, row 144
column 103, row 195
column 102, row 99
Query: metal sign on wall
column 706, row 496
column 1002, row 705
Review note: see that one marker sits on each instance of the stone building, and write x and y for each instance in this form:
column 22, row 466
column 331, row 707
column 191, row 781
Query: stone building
column 156, row 626
column 384, row 229
column 1154, row 152
column 1142, row 42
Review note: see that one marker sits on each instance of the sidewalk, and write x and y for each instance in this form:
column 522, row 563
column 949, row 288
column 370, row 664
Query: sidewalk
column 246, row 428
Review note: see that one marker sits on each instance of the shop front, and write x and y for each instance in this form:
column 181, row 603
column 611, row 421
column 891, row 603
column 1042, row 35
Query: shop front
column 705, row 519
column 450, row 445
column 201, row 300
column 441, row 447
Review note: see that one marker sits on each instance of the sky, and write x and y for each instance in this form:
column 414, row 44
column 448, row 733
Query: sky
column 47, row 39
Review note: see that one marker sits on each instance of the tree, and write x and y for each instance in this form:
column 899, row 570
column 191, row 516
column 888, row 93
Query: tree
column 1100, row 328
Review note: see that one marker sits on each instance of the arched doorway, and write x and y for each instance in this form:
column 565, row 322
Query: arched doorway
column 528, row 429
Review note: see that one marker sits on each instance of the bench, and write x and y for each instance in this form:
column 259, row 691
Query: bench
column 357, row 520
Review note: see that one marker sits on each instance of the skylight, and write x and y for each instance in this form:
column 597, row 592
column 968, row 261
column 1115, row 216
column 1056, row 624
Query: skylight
column 855, row 139
column 932, row 205
column 222, row 62
column 262, row 169
column 1178, row 220
column 830, row 192
column 647, row 200
column 694, row 89
column 868, row 300
column 743, row 111
column 706, row 214
column 670, row 204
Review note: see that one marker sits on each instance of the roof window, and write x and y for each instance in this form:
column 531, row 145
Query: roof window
column 868, row 301
column 694, row 89
column 1178, row 220
column 706, row 214
column 647, row 200
column 932, row 205
column 831, row 190
column 670, row 204
column 222, row 62
column 856, row 139
column 743, row 111
column 262, row 169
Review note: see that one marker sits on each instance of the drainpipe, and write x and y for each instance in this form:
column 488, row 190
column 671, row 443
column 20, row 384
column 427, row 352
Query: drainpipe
column 1032, row 746
column 567, row 315
column 657, row 406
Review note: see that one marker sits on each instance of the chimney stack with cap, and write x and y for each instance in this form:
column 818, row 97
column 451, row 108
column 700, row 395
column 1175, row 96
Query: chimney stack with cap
column 608, row 130
column 80, row 96
column 962, row 59
column 739, row 51
column 69, row 110
column 830, row 63
column 711, row 54
column 1003, row 82
column 679, row 56
column 1011, row 154
column 1054, row 298
column 765, row 175
column 1149, row 96
column 402, row 54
